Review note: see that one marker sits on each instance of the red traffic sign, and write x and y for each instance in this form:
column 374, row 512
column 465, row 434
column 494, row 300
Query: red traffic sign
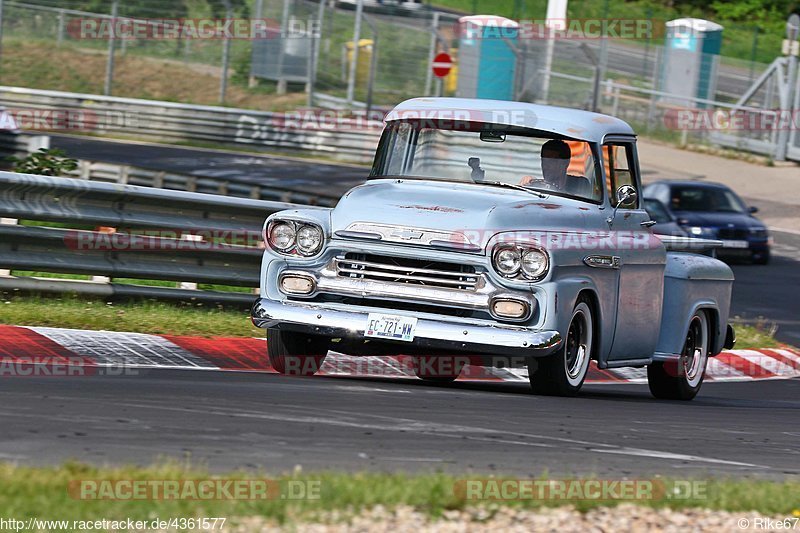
column 442, row 64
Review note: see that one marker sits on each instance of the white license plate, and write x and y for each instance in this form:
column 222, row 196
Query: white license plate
column 735, row 244
column 392, row 327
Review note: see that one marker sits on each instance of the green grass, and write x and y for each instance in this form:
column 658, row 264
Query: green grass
column 43, row 493
column 143, row 317
column 199, row 319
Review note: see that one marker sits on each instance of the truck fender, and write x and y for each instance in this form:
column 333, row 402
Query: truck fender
column 692, row 283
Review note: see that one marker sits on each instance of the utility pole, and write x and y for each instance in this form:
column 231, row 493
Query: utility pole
column 556, row 15
column 112, row 41
column 790, row 49
column 351, row 81
column 226, row 56
column 259, row 16
column 316, row 41
column 281, row 89
column 432, row 52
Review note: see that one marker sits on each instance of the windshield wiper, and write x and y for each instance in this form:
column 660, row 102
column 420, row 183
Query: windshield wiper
column 512, row 186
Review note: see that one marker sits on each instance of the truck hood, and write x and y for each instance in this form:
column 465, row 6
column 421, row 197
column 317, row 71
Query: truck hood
column 478, row 211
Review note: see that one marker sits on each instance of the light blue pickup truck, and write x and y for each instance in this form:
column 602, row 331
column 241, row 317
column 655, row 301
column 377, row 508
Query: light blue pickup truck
column 495, row 233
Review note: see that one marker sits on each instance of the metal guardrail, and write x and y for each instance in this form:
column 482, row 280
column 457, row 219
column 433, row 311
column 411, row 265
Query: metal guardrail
column 348, row 140
column 158, row 235
column 131, row 175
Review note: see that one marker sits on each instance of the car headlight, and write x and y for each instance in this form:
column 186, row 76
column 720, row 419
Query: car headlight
column 511, row 261
column 282, row 236
column 309, row 239
column 699, row 231
column 289, row 237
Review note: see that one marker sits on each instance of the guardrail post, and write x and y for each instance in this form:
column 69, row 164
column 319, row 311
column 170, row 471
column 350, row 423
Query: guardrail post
column 189, row 285
column 84, row 169
column 9, row 222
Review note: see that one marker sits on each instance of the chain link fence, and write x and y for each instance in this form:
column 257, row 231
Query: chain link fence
column 305, row 59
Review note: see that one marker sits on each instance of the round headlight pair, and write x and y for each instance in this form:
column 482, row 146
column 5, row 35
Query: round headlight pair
column 286, row 236
column 510, row 261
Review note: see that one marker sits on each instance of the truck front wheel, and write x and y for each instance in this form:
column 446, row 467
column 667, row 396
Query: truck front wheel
column 563, row 373
column 681, row 379
column 295, row 354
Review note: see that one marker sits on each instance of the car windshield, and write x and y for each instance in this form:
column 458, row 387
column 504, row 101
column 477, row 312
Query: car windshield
column 714, row 199
column 491, row 155
column 656, row 211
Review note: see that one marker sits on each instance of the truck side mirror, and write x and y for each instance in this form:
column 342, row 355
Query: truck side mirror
column 752, row 209
column 626, row 194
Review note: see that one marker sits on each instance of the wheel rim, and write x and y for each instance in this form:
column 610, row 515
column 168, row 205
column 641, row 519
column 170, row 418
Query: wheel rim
column 576, row 348
column 694, row 354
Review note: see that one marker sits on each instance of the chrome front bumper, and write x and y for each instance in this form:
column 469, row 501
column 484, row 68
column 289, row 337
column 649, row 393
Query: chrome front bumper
column 442, row 333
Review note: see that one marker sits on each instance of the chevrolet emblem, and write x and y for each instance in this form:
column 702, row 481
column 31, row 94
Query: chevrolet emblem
column 407, row 235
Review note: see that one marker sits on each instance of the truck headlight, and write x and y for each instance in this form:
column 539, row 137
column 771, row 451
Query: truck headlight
column 507, row 261
column 534, row 263
column 294, row 237
column 519, row 260
column 281, row 236
column 309, row 239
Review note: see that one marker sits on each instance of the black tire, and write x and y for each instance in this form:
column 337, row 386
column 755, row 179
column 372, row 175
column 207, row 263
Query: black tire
column 682, row 379
column 295, row 354
column 563, row 373
column 441, row 369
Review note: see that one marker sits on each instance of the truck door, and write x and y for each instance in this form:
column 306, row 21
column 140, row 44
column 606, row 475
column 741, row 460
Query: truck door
column 642, row 258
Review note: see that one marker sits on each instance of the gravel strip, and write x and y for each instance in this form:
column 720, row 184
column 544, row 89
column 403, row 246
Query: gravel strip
column 626, row 517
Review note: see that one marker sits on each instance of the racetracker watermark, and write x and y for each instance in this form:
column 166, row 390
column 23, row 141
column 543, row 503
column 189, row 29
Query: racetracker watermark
column 572, row 29
column 732, row 119
column 465, row 366
column 554, row 240
column 84, row 120
column 194, row 489
column 161, row 240
column 450, row 119
column 579, row 489
column 204, row 240
column 190, row 29
column 58, row 367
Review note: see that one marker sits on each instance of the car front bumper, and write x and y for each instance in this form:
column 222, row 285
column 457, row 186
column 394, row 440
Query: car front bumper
column 446, row 333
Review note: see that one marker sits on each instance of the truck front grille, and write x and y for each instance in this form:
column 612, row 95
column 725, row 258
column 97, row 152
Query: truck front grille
column 408, row 271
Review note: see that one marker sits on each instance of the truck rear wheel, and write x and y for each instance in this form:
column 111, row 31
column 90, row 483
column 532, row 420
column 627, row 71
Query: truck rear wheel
column 682, row 379
column 295, row 354
column 563, row 373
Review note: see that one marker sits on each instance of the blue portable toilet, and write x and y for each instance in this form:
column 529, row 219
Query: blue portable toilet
column 691, row 59
column 486, row 60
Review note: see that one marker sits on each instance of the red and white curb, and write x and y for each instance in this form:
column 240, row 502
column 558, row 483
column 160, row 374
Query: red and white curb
column 55, row 346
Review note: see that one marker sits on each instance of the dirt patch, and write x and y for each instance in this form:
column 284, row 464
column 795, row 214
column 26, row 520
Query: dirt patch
column 76, row 70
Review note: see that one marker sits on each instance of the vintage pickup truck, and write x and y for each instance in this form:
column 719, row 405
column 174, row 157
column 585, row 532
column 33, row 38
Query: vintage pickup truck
column 494, row 233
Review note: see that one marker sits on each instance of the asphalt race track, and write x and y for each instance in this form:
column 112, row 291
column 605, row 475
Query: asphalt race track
column 772, row 291
column 282, row 172
column 229, row 420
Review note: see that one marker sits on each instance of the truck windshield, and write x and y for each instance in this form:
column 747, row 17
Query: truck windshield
column 475, row 155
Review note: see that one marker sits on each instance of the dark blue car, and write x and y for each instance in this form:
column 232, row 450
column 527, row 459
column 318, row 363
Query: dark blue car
column 714, row 211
